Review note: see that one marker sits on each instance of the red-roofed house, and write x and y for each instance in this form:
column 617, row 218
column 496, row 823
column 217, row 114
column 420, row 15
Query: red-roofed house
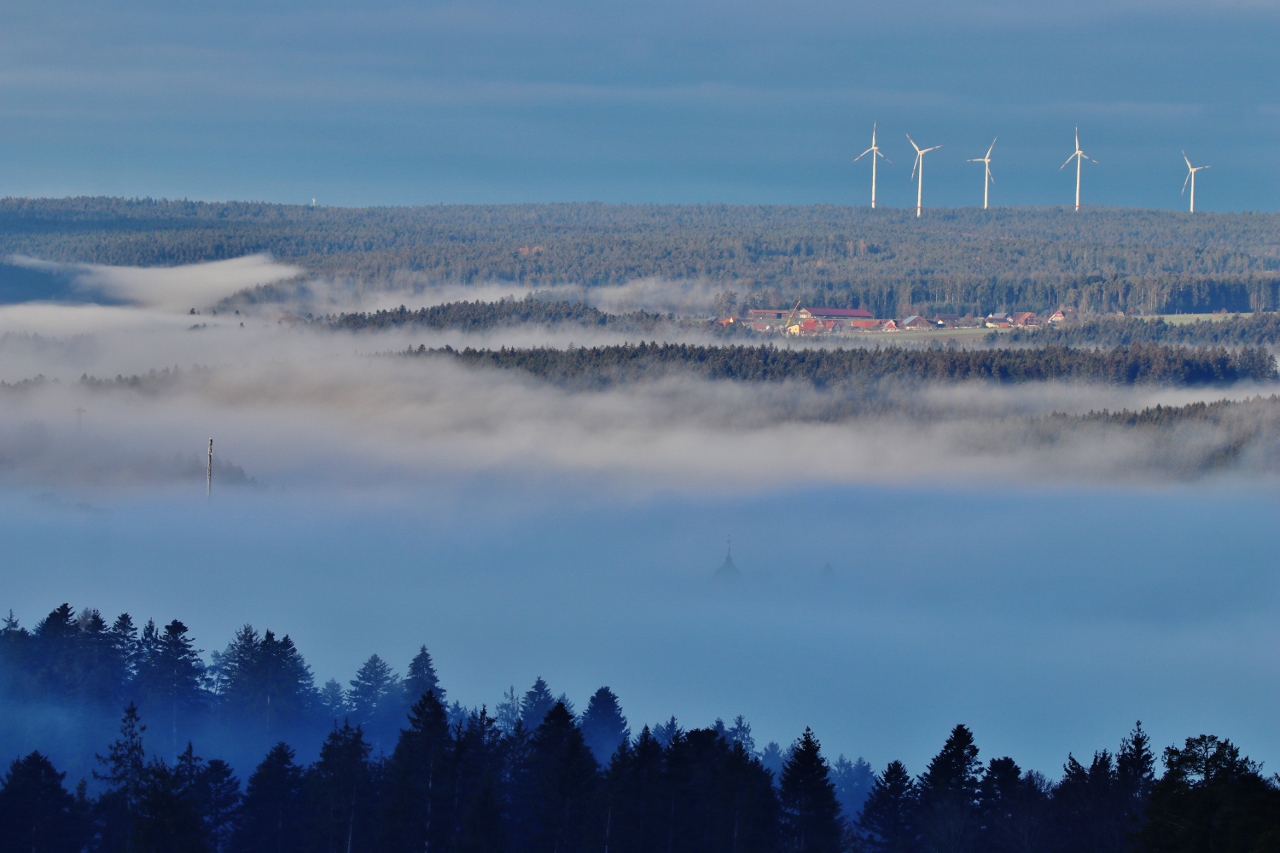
column 834, row 314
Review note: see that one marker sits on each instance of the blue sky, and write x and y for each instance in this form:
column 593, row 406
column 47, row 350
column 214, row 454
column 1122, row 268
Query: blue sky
column 398, row 103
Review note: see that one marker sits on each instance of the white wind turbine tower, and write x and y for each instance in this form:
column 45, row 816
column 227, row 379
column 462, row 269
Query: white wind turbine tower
column 918, row 166
column 1077, row 156
column 1191, row 177
column 988, row 180
column 874, row 151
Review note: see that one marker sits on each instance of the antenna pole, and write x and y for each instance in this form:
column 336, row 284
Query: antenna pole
column 208, row 473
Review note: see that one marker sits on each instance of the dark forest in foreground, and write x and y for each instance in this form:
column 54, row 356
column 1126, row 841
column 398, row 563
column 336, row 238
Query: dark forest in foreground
column 535, row 776
column 863, row 366
column 961, row 261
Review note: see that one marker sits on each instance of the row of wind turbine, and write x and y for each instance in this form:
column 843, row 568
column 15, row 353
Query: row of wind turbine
column 917, row 170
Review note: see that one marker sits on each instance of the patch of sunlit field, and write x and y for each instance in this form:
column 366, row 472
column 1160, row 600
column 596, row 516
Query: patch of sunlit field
column 1184, row 319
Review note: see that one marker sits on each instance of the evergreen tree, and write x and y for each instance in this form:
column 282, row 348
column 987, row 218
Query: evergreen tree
column 810, row 812
column 220, row 803
column 666, row 733
column 421, row 678
column 507, row 712
column 604, row 727
column 123, row 637
column 773, row 759
column 1135, row 776
column 1013, row 809
column 420, row 796
column 57, row 645
column 853, row 781
column 638, row 802
column 37, row 813
column 341, row 795
column 169, row 814
column 535, row 704
column 1087, row 807
column 106, row 667
column 332, row 702
column 560, row 783
column 374, row 699
column 740, row 732
column 887, row 823
column 170, row 676
column 479, row 823
column 124, row 775
column 948, row 820
column 272, row 813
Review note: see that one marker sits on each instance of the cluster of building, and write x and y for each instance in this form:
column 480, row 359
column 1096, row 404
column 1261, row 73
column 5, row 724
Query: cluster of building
column 836, row 321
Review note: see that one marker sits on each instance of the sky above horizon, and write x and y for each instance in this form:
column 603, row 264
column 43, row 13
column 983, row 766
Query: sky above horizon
column 392, row 102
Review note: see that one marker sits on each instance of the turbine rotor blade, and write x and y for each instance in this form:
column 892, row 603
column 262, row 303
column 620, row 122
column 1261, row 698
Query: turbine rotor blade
column 992, row 148
column 913, row 143
column 1069, row 159
column 1186, row 181
column 1188, row 159
column 863, row 154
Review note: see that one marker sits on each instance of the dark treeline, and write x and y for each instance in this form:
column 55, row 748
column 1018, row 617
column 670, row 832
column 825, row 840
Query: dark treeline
column 886, row 261
column 1251, row 330
column 537, row 777
column 486, row 316
column 1125, row 365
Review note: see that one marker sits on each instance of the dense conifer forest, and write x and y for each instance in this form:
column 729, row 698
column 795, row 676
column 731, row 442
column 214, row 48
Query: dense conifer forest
column 389, row 766
column 1250, row 330
column 1102, row 260
column 822, row 368
column 487, row 316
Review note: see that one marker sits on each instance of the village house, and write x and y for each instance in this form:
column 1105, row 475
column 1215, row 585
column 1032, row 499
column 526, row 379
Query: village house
column 915, row 321
column 1026, row 319
column 999, row 321
column 947, row 321
column 833, row 314
column 1063, row 315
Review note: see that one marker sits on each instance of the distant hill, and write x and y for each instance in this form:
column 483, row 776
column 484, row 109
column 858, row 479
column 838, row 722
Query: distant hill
column 964, row 260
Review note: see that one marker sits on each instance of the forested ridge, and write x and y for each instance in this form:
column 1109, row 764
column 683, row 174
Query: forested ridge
column 486, row 316
column 397, row 770
column 1249, row 330
column 1125, row 365
column 886, row 261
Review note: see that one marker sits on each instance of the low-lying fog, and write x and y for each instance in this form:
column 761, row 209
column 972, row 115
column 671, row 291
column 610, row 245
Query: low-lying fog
column 1048, row 596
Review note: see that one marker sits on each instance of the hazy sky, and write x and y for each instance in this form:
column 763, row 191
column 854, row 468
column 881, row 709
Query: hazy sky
column 395, row 102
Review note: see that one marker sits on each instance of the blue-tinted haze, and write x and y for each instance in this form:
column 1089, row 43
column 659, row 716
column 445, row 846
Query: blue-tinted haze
column 1047, row 620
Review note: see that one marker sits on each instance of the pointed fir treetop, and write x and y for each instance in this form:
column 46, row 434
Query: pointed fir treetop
column 536, row 703
column 603, row 725
column 422, row 678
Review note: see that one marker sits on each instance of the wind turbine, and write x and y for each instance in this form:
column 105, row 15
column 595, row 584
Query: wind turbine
column 918, row 166
column 874, row 151
column 1191, row 177
column 1077, row 156
column 988, row 180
